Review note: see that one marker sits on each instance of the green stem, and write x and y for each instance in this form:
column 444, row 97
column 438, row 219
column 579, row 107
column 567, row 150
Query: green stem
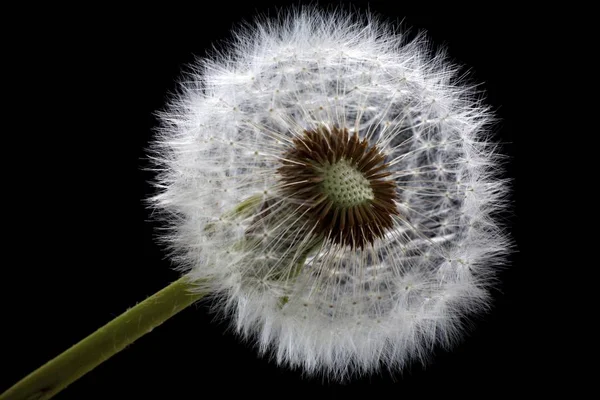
column 113, row 337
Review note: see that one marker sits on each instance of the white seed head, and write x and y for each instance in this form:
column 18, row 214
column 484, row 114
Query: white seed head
column 333, row 186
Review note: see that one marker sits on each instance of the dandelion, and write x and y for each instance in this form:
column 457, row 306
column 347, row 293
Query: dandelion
column 332, row 185
column 333, row 188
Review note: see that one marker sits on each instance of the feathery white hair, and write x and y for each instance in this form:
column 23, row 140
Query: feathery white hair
column 336, row 285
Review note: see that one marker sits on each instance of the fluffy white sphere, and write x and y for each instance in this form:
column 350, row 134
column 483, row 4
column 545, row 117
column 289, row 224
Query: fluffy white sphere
column 333, row 187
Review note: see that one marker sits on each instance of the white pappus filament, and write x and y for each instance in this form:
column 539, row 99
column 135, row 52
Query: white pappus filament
column 333, row 186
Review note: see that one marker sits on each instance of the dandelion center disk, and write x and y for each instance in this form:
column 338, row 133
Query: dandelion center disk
column 340, row 181
column 345, row 185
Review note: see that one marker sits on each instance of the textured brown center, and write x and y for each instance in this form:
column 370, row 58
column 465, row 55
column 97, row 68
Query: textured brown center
column 340, row 182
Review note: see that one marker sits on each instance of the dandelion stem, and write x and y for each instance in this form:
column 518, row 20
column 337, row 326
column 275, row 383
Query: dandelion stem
column 113, row 337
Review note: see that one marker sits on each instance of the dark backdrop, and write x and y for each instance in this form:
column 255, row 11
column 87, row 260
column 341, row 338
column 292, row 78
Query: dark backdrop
column 94, row 78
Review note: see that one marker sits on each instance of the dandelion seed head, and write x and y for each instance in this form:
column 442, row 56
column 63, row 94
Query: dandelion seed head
column 333, row 185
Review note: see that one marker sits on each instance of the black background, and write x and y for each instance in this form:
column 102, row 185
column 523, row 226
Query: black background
column 84, row 248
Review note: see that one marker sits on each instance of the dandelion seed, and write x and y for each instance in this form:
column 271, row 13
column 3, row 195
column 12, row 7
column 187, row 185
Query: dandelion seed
column 333, row 186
